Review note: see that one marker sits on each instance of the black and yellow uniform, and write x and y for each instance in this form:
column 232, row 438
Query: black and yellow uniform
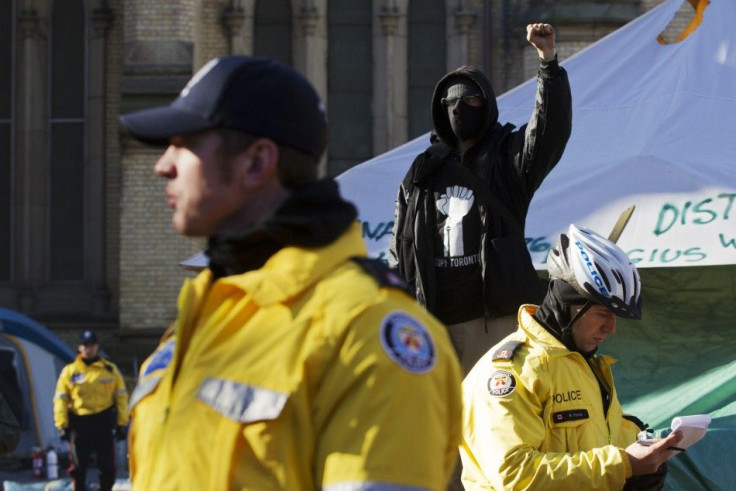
column 301, row 373
column 90, row 401
column 534, row 417
column 295, row 362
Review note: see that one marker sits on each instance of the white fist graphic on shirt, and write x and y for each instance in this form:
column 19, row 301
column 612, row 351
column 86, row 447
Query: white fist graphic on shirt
column 455, row 203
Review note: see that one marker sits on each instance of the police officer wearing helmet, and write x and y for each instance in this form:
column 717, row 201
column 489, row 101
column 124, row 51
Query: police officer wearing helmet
column 540, row 408
column 90, row 406
column 295, row 362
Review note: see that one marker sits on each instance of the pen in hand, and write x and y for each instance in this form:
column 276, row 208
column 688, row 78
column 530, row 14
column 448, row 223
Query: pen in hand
column 647, row 443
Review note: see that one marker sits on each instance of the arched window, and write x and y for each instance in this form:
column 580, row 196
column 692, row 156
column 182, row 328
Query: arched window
column 6, row 135
column 350, row 76
column 272, row 36
column 427, row 60
column 66, row 153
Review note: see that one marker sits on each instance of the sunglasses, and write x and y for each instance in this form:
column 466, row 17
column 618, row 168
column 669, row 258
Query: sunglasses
column 475, row 100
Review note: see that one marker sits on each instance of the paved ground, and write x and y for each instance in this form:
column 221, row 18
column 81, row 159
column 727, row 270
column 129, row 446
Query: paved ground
column 15, row 471
column 25, row 480
column 20, row 475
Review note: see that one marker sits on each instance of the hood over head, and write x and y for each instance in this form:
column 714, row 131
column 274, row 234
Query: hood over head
column 441, row 121
column 555, row 313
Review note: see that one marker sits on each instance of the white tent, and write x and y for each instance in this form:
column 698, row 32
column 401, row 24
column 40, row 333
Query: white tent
column 653, row 126
column 31, row 358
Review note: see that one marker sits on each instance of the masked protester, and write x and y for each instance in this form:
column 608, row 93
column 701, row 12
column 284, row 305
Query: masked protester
column 90, row 408
column 458, row 235
column 540, row 409
column 295, row 362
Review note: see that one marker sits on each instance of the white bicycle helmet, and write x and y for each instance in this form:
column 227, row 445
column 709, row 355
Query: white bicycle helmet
column 598, row 269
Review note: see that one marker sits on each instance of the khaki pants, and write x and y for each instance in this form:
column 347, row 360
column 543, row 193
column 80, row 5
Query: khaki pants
column 472, row 340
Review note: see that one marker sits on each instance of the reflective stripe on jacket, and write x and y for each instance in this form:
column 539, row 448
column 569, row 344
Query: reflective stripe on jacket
column 535, row 421
column 89, row 389
column 304, row 374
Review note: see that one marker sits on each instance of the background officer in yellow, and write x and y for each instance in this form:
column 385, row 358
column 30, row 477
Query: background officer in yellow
column 90, row 403
column 540, row 408
column 295, row 362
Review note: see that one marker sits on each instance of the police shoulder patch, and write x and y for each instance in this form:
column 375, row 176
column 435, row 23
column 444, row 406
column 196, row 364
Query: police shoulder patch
column 506, row 350
column 408, row 343
column 160, row 359
column 501, row 383
column 383, row 275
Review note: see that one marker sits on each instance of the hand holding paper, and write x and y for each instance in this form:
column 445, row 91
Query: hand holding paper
column 693, row 428
column 647, row 456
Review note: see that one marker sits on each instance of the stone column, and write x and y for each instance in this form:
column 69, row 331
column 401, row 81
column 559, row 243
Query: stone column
column 31, row 181
column 310, row 48
column 460, row 26
column 238, row 22
column 390, row 92
column 95, row 205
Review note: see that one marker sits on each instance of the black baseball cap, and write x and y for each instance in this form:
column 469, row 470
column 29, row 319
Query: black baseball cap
column 258, row 96
column 88, row 337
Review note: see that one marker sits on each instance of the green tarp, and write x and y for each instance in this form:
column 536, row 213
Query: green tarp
column 680, row 359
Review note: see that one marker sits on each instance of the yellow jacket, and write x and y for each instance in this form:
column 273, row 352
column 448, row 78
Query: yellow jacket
column 533, row 418
column 89, row 389
column 304, row 374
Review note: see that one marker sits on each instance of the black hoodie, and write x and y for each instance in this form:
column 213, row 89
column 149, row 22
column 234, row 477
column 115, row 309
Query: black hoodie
column 509, row 165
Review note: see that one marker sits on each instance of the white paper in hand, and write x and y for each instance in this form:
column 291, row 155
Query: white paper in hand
column 693, row 428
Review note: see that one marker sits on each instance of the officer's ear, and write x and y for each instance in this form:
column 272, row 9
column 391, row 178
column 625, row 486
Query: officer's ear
column 258, row 165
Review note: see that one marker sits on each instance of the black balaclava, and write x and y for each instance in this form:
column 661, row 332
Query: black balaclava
column 466, row 121
column 554, row 313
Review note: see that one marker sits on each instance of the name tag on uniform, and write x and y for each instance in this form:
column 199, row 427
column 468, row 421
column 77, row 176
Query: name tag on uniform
column 570, row 415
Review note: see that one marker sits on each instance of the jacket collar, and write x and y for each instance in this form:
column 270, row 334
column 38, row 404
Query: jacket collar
column 541, row 338
column 537, row 334
column 292, row 270
column 98, row 362
column 312, row 216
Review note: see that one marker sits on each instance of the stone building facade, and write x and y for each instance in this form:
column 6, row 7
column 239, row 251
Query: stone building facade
column 85, row 235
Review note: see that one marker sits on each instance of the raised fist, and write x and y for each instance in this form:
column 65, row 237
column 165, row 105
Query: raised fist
column 542, row 37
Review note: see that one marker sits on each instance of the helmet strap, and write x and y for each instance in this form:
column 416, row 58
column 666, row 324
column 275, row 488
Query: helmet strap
column 587, row 305
column 567, row 338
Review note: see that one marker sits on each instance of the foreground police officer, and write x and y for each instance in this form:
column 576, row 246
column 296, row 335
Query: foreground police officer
column 541, row 409
column 90, row 403
column 295, row 362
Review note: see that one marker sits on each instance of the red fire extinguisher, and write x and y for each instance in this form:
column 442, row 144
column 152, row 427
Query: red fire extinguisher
column 38, row 462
